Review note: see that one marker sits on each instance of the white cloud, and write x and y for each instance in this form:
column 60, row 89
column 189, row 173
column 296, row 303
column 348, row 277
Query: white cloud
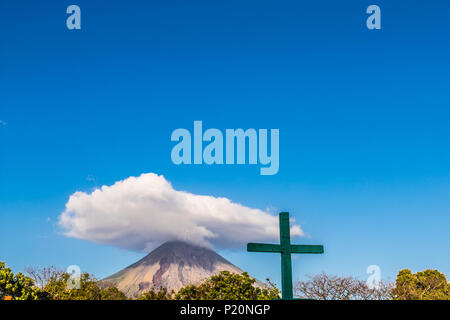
column 141, row 212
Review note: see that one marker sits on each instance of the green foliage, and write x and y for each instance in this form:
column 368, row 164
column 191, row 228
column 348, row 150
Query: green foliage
column 160, row 294
column 423, row 285
column 18, row 286
column 57, row 289
column 228, row 286
column 112, row 293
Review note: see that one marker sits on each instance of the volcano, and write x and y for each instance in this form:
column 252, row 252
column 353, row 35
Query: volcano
column 172, row 265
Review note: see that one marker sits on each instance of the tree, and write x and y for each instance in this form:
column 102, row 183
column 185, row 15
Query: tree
column 160, row 294
column 423, row 285
column 41, row 276
column 18, row 287
column 228, row 286
column 56, row 288
column 327, row 287
column 112, row 293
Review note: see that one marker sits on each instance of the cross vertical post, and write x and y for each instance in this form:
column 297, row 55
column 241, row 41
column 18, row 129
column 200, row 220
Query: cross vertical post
column 286, row 261
column 286, row 249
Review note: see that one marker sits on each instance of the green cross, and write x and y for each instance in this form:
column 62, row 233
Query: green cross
column 285, row 248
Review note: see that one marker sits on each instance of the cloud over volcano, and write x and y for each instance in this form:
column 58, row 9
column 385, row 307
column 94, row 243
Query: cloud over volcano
column 139, row 213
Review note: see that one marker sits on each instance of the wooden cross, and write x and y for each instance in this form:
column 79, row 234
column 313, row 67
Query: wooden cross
column 285, row 248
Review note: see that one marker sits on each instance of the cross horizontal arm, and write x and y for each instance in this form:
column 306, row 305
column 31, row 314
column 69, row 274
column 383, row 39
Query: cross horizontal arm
column 263, row 247
column 299, row 248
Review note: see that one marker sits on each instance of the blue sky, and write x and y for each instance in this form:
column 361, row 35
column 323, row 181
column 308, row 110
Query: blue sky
column 363, row 118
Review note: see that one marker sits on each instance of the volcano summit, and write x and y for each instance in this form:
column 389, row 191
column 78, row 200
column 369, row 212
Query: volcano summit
column 173, row 265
